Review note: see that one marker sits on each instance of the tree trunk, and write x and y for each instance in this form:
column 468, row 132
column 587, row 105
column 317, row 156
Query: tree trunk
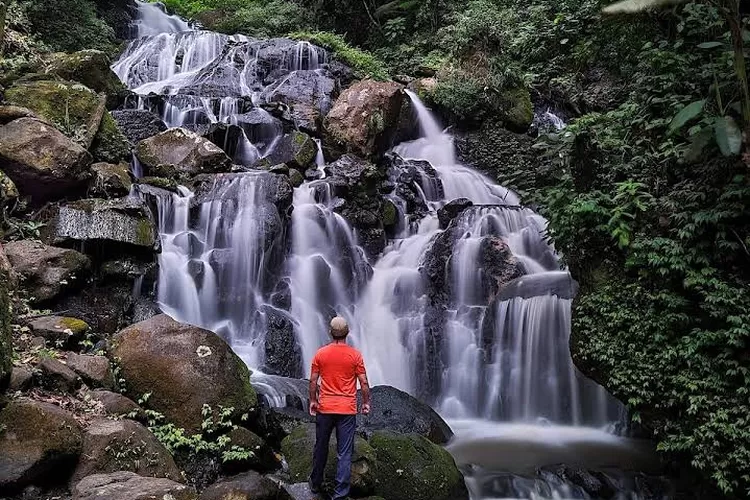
column 3, row 10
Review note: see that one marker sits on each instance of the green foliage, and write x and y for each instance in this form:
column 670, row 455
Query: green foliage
column 364, row 64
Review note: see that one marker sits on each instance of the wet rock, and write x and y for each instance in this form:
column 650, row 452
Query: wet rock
column 283, row 354
column 21, row 378
column 130, row 486
column 499, row 264
column 59, row 330
column 39, row 445
column 90, row 67
column 56, row 376
column 110, row 180
column 296, row 149
column 123, row 445
column 110, row 144
column 74, row 109
column 94, row 370
column 226, row 136
column 451, row 210
column 410, row 467
column 290, row 418
column 116, row 404
column 111, row 221
column 183, row 367
column 43, row 163
column 364, row 118
column 296, row 178
column 10, row 113
column 260, row 127
column 106, row 307
column 309, row 94
column 593, row 482
column 247, row 486
column 397, row 411
column 185, row 151
column 159, row 183
column 138, row 124
column 47, row 271
column 298, row 452
column 263, row 459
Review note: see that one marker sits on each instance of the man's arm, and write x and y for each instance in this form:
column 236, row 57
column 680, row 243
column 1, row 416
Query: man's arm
column 365, row 386
column 313, row 391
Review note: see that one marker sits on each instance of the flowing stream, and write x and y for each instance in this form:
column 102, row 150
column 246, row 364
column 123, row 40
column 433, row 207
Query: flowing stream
column 490, row 352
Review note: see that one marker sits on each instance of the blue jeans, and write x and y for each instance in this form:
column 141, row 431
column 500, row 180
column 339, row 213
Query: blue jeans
column 345, row 426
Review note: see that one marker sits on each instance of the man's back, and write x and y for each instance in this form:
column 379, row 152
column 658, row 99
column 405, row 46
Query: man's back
column 339, row 366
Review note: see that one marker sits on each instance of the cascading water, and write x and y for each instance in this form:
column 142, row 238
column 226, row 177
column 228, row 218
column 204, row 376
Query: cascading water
column 488, row 349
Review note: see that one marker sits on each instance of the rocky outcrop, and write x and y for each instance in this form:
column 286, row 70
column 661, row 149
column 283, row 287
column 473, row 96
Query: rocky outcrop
column 183, row 367
column 90, row 67
column 123, row 445
column 130, row 486
column 138, row 124
column 283, row 354
column 110, row 180
column 397, row 411
column 247, row 486
column 499, row 264
column 47, row 272
column 94, row 370
column 183, row 151
column 42, row 162
column 39, row 444
column 364, row 118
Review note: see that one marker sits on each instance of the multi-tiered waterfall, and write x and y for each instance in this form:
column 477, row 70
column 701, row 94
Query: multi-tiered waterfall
column 490, row 353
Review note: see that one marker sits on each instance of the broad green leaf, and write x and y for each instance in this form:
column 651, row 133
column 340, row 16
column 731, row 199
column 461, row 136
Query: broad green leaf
column 686, row 114
column 728, row 136
column 710, row 45
column 632, row 6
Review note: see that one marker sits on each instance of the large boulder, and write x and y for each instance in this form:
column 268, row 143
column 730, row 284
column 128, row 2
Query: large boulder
column 114, row 221
column 90, row 67
column 47, row 271
column 123, row 445
column 261, row 457
column 94, row 370
column 184, row 151
column 247, row 486
column 411, row 467
column 397, row 411
column 39, row 444
column 110, row 144
column 283, row 354
column 56, row 376
column 74, row 109
column 138, row 124
column 296, row 149
column 183, row 367
column 364, row 118
column 110, row 180
column 298, row 447
column 125, row 485
column 42, row 162
column 309, row 95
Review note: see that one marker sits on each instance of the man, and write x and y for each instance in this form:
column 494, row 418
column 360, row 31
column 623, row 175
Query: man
column 338, row 366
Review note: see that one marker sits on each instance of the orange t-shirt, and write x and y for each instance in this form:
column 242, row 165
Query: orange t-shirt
column 338, row 365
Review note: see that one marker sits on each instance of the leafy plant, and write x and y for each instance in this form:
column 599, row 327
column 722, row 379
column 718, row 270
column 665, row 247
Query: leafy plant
column 364, row 64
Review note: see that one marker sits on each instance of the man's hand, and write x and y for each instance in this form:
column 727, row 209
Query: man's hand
column 366, row 409
column 313, row 408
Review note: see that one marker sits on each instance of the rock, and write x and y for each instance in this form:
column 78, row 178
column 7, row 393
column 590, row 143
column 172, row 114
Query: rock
column 59, row 330
column 397, row 411
column 159, row 183
column 130, row 486
column 499, row 264
column 94, row 370
column 56, row 376
column 309, row 94
column 119, row 221
column 516, row 110
column 74, row 109
column 138, row 124
column 351, row 174
column 410, row 467
column 116, row 404
column 39, row 445
column 296, row 178
column 110, row 180
column 247, row 486
column 90, row 67
column 186, row 151
column 298, row 452
column 8, row 192
column 225, row 136
column 296, row 149
column 593, row 482
column 106, row 307
column 263, row 458
column 283, row 354
column 451, row 210
column 183, row 367
column 6, row 331
column 123, row 445
column 10, row 113
column 43, row 163
column 364, row 118
column 110, row 144
column 47, row 271
column 291, row 418
column 21, row 378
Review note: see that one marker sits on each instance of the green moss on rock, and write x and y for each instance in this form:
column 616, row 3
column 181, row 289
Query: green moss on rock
column 90, row 67
column 390, row 214
column 110, row 144
column 516, row 109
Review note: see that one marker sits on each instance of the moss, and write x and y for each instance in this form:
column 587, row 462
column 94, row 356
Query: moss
column 159, row 182
column 305, row 149
column 296, row 178
column 517, row 110
column 90, row 67
column 411, row 467
column 144, row 233
column 390, row 214
column 110, row 145
column 75, row 325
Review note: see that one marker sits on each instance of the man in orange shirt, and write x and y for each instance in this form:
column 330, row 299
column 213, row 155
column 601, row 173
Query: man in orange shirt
column 338, row 366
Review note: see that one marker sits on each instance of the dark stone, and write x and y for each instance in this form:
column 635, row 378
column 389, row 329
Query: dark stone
column 60, row 331
column 499, row 266
column 94, row 370
column 21, row 378
column 130, row 486
column 593, row 482
column 138, row 124
column 283, row 354
column 247, row 486
column 309, row 94
column 451, row 210
column 263, row 459
column 117, row 405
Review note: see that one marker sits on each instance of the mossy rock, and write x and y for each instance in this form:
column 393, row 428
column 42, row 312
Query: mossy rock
column 390, row 213
column 159, row 182
column 516, row 109
column 411, row 467
column 90, row 67
column 110, row 144
column 296, row 178
column 73, row 108
column 298, row 447
column 110, row 180
column 8, row 190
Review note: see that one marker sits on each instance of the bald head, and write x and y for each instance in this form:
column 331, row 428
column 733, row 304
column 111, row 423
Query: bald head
column 339, row 328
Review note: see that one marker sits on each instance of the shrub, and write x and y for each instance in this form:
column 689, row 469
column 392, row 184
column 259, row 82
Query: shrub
column 364, row 64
